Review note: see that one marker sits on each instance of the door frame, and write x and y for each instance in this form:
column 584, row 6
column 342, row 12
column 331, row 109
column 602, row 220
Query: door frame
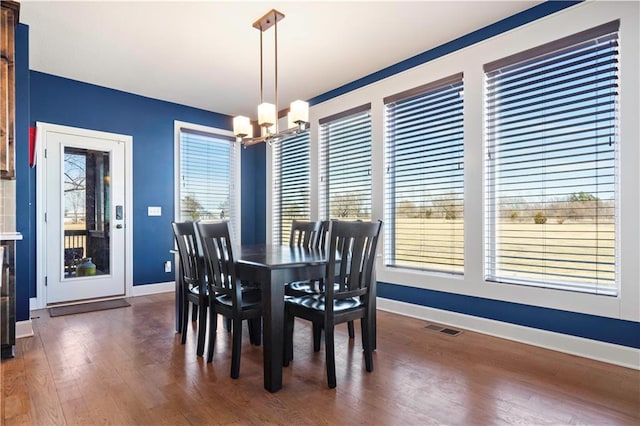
column 41, row 143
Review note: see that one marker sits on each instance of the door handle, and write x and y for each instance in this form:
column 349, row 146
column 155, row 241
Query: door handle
column 119, row 226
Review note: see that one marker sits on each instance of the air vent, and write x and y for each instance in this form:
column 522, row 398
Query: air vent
column 441, row 329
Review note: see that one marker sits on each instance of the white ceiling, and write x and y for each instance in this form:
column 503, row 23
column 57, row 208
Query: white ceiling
column 205, row 54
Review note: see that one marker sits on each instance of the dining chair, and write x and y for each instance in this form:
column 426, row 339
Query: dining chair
column 194, row 289
column 303, row 288
column 304, row 234
column 349, row 298
column 309, row 235
column 227, row 297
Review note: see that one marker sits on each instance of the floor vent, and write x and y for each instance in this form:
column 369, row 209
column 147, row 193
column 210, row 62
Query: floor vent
column 441, row 329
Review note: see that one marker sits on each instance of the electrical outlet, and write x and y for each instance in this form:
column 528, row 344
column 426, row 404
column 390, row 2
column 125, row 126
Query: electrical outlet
column 167, row 266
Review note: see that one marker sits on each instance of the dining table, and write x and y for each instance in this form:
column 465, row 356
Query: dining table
column 271, row 266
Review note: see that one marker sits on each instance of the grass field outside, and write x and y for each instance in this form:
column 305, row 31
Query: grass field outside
column 580, row 252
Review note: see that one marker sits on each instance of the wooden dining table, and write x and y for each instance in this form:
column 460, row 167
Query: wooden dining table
column 271, row 266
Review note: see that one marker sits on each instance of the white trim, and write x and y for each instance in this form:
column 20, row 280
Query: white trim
column 24, row 329
column 147, row 289
column 42, row 128
column 470, row 60
column 269, row 191
column 587, row 348
column 33, row 304
column 237, row 174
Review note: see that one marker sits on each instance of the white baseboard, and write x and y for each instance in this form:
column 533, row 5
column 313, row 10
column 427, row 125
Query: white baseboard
column 593, row 349
column 33, row 304
column 24, row 329
column 144, row 290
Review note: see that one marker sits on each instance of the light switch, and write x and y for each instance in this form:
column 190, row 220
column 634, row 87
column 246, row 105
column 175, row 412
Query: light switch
column 154, row 211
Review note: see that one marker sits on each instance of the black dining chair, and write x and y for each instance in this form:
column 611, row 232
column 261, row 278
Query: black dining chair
column 226, row 296
column 306, row 234
column 350, row 297
column 303, row 288
column 194, row 289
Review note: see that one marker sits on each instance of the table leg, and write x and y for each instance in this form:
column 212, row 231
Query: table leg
column 273, row 328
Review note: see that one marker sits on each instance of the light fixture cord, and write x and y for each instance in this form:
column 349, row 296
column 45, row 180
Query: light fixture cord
column 261, row 77
column 276, row 66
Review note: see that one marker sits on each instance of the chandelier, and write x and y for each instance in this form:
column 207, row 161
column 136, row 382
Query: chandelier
column 298, row 115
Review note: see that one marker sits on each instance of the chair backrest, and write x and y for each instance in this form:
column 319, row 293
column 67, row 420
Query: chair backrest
column 304, row 234
column 218, row 259
column 352, row 254
column 186, row 239
column 322, row 236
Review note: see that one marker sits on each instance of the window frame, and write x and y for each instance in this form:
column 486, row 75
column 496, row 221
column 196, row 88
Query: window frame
column 235, row 192
column 323, row 191
column 568, row 45
column 275, row 199
column 418, row 94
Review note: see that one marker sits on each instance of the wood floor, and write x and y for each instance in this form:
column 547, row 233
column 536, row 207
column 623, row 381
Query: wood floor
column 126, row 366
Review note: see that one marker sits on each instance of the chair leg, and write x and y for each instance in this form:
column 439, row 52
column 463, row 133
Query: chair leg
column 330, row 355
column 213, row 327
column 367, row 342
column 227, row 324
column 255, row 331
column 288, row 340
column 317, row 335
column 194, row 313
column 202, row 328
column 184, row 321
column 236, row 348
column 352, row 334
column 252, row 328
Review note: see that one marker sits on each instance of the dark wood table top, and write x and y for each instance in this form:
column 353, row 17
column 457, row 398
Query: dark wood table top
column 278, row 256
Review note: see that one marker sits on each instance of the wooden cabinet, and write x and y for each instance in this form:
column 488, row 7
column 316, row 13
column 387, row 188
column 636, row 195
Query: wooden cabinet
column 10, row 12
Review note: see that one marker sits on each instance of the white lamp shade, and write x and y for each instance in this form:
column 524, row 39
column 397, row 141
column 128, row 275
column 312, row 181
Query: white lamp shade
column 299, row 112
column 242, row 127
column 266, row 114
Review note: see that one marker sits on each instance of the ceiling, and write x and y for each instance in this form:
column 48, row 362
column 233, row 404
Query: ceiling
column 205, row 54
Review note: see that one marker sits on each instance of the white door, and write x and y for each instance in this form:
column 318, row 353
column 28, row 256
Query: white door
column 85, row 210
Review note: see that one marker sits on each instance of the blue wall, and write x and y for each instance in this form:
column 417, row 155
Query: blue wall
column 151, row 123
column 254, row 198
column 25, row 176
column 610, row 330
column 72, row 103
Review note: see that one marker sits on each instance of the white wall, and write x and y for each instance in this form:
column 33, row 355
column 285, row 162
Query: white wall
column 470, row 61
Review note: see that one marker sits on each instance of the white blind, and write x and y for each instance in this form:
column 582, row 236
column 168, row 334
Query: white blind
column 345, row 165
column 291, row 185
column 551, row 168
column 207, row 163
column 425, row 177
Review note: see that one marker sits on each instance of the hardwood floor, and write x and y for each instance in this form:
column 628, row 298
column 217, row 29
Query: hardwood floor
column 126, row 366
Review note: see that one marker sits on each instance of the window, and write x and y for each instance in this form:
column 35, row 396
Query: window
column 345, row 168
column 206, row 173
column 551, row 167
column 425, row 177
column 291, row 185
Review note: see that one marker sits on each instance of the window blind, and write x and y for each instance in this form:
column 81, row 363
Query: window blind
column 207, row 166
column 345, row 168
column 291, row 185
column 551, row 167
column 425, row 177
